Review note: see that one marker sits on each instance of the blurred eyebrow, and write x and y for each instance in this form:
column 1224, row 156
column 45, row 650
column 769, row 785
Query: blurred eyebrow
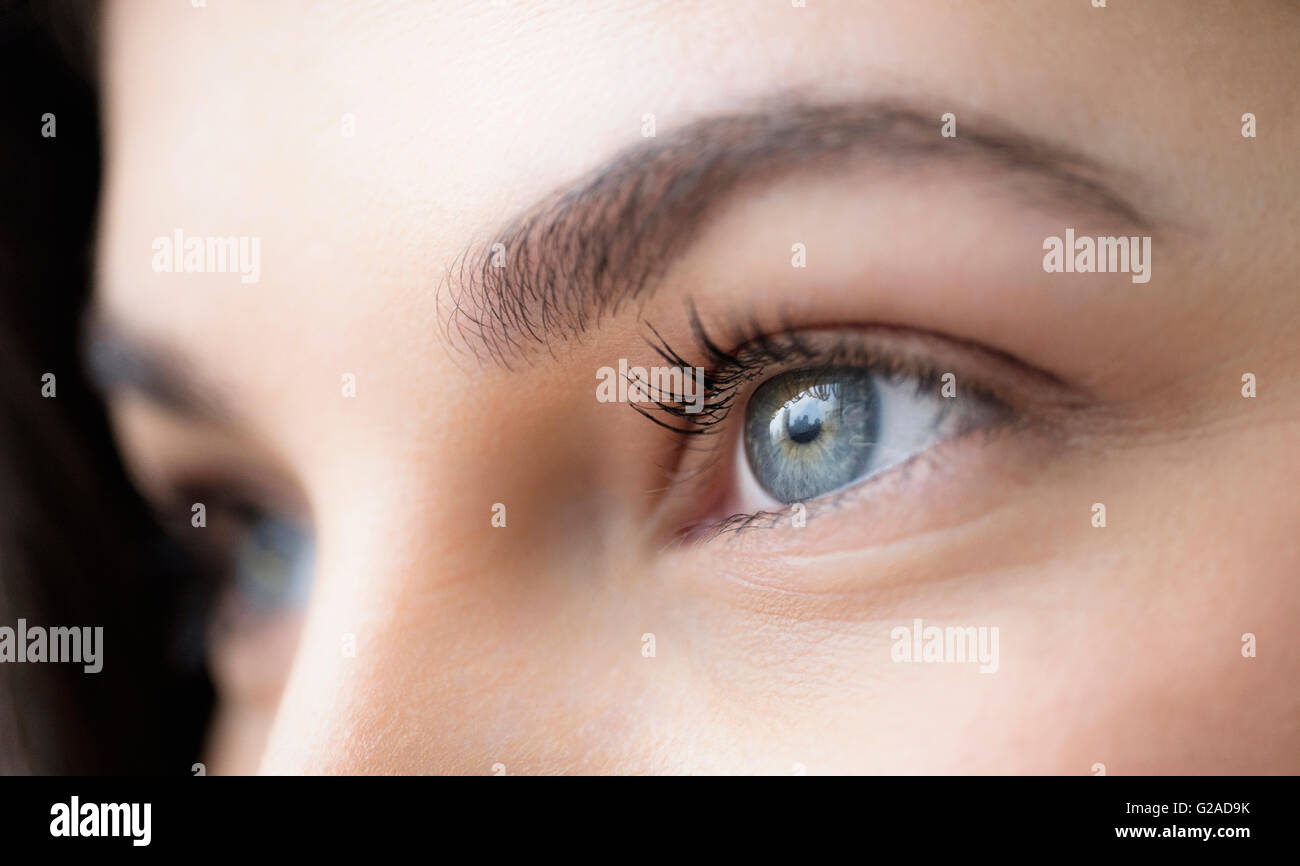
column 586, row 250
column 117, row 362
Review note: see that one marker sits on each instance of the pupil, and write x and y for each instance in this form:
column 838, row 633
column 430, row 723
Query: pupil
column 806, row 414
column 811, row 431
column 804, row 428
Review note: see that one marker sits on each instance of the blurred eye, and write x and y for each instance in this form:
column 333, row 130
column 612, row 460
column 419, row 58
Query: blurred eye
column 813, row 431
column 271, row 565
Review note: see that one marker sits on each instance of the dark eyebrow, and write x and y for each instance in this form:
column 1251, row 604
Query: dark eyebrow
column 118, row 362
column 583, row 252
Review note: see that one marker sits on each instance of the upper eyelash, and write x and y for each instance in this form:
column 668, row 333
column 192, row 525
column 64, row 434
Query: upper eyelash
column 759, row 351
column 724, row 371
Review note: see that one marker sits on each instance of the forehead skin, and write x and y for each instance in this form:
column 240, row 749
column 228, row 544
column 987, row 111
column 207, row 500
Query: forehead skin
column 226, row 120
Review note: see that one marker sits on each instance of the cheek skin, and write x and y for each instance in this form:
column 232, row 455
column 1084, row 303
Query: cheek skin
column 443, row 677
column 1119, row 645
column 539, row 670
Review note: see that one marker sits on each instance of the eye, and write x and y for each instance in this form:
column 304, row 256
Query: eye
column 798, row 414
column 253, row 561
column 812, row 431
column 271, row 565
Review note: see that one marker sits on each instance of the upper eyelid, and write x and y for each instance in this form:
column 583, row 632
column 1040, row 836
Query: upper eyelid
column 763, row 353
column 229, row 490
column 891, row 334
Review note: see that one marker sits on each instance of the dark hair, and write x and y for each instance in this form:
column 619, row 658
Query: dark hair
column 77, row 545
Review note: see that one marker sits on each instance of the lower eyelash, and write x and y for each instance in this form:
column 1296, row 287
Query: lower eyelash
column 744, row 522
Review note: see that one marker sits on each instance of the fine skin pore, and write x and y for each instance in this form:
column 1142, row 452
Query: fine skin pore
column 523, row 645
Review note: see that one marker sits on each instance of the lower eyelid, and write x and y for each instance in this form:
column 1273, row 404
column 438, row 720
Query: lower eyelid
column 935, row 488
column 779, row 516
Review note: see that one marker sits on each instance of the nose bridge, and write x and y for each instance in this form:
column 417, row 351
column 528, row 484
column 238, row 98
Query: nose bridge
column 408, row 628
column 437, row 585
column 321, row 721
column 371, row 626
column 416, row 596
